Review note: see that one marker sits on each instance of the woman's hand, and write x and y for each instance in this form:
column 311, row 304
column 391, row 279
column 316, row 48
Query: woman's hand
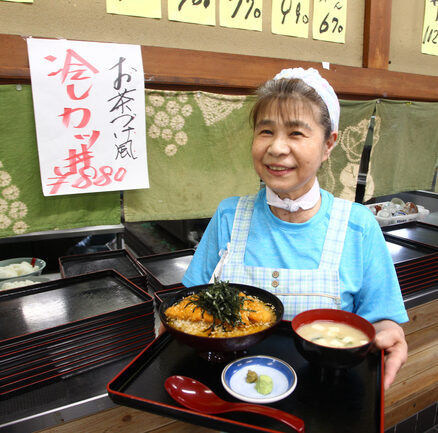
column 391, row 338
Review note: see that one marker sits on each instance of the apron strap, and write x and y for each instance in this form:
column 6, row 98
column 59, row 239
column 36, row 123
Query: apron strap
column 242, row 222
column 335, row 236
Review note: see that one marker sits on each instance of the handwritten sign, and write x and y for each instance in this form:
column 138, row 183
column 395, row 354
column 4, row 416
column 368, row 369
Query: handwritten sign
column 241, row 14
column 136, row 8
column 429, row 44
column 193, row 11
column 290, row 18
column 329, row 20
column 89, row 114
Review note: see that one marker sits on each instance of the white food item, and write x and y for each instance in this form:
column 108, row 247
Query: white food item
column 17, row 269
column 317, row 327
column 332, row 334
column 14, row 284
column 335, row 343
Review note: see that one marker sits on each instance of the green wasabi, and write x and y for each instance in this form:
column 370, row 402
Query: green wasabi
column 264, row 384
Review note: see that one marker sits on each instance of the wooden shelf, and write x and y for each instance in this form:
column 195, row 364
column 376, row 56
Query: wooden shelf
column 224, row 73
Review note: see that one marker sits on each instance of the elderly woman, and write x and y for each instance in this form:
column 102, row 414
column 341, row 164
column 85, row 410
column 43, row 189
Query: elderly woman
column 294, row 239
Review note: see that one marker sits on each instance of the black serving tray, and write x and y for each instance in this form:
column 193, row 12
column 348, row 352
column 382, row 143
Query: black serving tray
column 161, row 295
column 73, row 331
column 328, row 402
column 423, row 266
column 416, row 264
column 166, row 270
column 418, row 287
column 418, row 273
column 405, row 253
column 63, row 346
column 77, row 364
column 414, row 232
column 120, row 260
column 27, row 312
column 54, row 360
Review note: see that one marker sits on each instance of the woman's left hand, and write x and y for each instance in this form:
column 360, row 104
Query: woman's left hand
column 391, row 338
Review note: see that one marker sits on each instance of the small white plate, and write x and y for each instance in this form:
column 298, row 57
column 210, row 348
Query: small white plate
column 282, row 374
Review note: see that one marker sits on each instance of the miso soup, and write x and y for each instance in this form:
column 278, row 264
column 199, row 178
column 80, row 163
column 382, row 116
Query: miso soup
column 332, row 334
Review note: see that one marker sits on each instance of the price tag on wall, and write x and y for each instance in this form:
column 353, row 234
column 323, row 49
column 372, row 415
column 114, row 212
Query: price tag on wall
column 429, row 44
column 137, row 8
column 290, row 18
column 193, row 11
column 329, row 20
column 241, row 14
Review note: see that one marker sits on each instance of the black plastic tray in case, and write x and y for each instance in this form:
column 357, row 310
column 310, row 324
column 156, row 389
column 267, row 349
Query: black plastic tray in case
column 27, row 312
column 405, row 253
column 161, row 295
column 343, row 402
column 415, row 263
column 20, row 381
column 166, row 270
column 415, row 232
column 27, row 357
column 120, row 260
column 73, row 331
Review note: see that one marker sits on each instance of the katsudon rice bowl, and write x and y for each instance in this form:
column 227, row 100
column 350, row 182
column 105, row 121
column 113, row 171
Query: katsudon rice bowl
column 222, row 318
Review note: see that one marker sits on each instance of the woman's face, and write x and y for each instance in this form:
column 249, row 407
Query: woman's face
column 288, row 149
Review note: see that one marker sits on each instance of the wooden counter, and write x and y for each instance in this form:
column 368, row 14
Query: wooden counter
column 416, row 385
column 126, row 420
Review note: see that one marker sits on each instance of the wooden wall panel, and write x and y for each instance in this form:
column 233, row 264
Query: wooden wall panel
column 222, row 72
column 377, row 33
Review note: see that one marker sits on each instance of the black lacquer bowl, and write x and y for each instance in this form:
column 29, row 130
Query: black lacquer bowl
column 222, row 349
column 330, row 357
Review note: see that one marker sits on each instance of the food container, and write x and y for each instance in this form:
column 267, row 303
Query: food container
column 222, row 349
column 391, row 212
column 41, row 264
column 329, row 356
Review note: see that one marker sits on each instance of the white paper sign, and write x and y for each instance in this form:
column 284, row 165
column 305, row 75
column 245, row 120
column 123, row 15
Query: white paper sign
column 90, row 115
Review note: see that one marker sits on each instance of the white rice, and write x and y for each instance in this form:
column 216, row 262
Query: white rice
column 17, row 269
column 15, row 284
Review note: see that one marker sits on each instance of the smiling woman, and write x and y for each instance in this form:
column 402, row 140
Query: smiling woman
column 287, row 153
column 297, row 241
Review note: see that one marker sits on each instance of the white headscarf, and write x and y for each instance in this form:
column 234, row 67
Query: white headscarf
column 313, row 79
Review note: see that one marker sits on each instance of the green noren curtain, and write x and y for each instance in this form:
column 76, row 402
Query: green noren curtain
column 340, row 172
column 405, row 147
column 199, row 152
column 23, row 208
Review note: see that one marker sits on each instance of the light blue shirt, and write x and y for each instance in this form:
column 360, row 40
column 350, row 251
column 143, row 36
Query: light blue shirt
column 369, row 284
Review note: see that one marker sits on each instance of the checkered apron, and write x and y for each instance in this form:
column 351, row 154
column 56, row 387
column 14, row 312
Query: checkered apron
column 298, row 289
